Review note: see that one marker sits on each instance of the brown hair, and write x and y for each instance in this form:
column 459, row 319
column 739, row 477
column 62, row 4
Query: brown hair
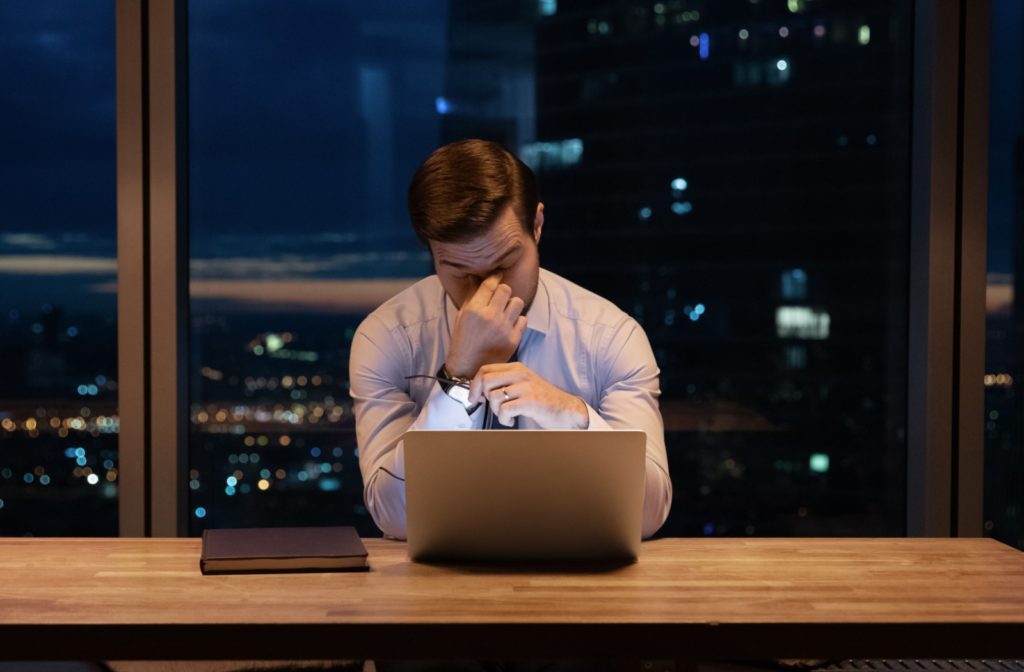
column 463, row 187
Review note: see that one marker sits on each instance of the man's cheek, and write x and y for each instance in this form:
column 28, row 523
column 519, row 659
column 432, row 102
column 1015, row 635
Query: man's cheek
column 513, row 282
column 520, row 289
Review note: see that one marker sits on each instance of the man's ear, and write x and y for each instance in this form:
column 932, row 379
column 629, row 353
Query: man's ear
column 538, row 223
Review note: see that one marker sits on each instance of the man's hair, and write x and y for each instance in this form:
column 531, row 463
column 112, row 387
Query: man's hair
column 463, row 187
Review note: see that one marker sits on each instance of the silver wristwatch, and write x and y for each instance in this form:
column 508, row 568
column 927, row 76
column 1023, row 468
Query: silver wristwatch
column 456, row 388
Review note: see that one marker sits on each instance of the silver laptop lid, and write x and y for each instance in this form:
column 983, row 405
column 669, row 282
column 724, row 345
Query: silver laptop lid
column 524, row 494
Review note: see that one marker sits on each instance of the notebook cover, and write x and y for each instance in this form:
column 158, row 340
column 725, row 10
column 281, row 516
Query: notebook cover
column 254, row 544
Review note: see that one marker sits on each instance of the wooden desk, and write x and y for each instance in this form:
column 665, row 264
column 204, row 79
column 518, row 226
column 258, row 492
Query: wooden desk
column 707, row 599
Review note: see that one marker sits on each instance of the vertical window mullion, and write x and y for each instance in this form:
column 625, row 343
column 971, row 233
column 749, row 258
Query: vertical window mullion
column 131, row 299
column 930, row 440
column 168, row 256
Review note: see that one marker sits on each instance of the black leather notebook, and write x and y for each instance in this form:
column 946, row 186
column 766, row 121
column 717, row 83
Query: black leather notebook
column 282, row 549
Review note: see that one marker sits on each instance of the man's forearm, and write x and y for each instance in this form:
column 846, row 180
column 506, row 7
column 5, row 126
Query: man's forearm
column 382, row 457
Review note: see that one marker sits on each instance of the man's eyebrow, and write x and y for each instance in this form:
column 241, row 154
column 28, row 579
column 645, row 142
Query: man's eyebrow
column 505, row 256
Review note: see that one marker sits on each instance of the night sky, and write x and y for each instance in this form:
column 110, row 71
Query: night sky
column 306, row 120
column 311, row 116
column 57, row 174
column 1006, row 116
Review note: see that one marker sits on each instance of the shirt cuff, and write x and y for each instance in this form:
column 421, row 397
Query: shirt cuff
column 595, row 421
column 443, row 412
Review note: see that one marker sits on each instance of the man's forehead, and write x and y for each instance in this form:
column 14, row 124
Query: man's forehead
column 479, row 262
column 489, row 248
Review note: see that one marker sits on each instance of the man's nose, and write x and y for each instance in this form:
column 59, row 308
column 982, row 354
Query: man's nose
column 478, row 279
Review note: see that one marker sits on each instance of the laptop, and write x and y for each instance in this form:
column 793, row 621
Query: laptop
column 502, row 495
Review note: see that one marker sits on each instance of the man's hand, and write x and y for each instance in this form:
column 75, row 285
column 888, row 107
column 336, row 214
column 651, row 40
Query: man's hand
column 487, row 329
column 513, row 390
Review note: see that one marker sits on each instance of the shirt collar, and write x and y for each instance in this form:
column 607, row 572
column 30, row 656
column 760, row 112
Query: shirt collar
column 538, row 317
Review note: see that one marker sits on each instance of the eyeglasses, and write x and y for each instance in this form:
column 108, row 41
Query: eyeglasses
column 449, row 381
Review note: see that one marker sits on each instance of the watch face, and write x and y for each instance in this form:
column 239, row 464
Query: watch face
column 459, row 394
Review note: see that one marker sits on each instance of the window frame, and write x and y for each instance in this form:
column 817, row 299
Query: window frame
column 949, row 187
column 152, row 225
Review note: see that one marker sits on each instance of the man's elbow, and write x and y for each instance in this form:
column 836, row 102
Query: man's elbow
column 657, row 499
column 385, row 500
column 392, row 529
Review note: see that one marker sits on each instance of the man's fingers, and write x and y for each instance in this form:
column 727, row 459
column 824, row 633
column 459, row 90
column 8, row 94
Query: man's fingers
column 500, row 297
column 498, row 379
column 493, row 376
column 477, row 393
column 494, row 368
column 509, row 411
column 476, row 387
column 505, row 394
column 519, row 328
column 514, row 308
column 486, row 289
column 482, row 382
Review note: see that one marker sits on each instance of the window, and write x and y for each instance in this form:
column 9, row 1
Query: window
column 58, row 346
column 1004, row 456
column 752, row 158
column 305, row 125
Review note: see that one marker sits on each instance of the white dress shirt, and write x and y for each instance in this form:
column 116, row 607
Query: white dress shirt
column 574, row 339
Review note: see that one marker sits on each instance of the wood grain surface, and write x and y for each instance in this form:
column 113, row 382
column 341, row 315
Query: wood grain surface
column 706, row 598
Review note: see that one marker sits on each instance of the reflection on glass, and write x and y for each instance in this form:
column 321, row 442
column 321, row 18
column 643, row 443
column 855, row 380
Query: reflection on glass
column 58, row 357
column 732, row 174
column 1004, row 453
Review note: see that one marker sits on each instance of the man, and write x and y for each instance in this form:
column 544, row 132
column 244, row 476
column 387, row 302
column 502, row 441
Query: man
column 579, row 362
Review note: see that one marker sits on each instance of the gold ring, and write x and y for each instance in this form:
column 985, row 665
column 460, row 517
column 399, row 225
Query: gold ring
column 504, row 391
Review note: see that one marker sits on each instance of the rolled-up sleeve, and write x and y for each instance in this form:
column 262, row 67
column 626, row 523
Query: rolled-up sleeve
column 384, row 412
column 628, row 376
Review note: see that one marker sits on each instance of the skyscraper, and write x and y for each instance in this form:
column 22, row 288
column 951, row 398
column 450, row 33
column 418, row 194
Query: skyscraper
column 735, row 176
